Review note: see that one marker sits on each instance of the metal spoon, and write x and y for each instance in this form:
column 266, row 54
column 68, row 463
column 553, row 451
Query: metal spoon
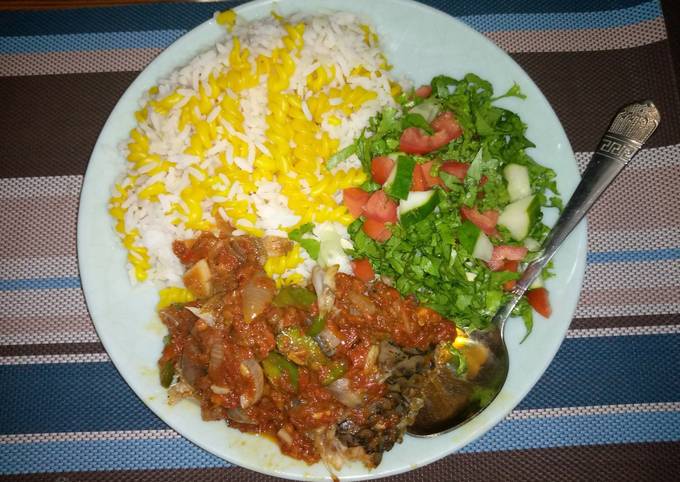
column 451, row 400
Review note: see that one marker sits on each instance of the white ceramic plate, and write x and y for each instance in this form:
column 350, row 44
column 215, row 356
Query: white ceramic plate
column 420, row 42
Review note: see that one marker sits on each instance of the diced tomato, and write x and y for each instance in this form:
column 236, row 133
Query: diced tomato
column 377, row 230
column 458, row 169
column 512, row 267
column 483, row 180
column 511, row 253
column 355, row 199
column 485, row 221
column 381, row 208
column 495, row 264
column 430, row 180
column 503, row 254
column 418, row 183
column 447, row 122
column 363, row 269
column 538, row 299
column 381, row 167
column 414, row 141
column 424, row 91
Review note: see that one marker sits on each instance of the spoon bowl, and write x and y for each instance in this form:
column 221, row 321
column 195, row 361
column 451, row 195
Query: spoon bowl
column 452, row 399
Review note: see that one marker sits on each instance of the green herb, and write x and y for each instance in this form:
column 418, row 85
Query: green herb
column 340, row 156
column 312, row 246
column 416, row 120
column 317, row 326
column 167, row 373
column 455, row 358
column 524, row 310
column 294, row 296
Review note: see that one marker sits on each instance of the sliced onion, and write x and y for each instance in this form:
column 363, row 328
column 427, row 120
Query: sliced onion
column 362, row 302
column 206, row 316
column 344, row 394
column 239, row 415
column 324, row 285
column 250, row 368
column 216, row 356
column 191, row 370
column 327, row 341
column 220, row 390
column 257, row 294
column 371, row 359
column 285, row 436
column 276, row 245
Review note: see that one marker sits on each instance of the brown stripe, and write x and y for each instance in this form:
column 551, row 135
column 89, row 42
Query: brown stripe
column 626, row 462
column 671, row 14
column 622, row 203
column 587, row 88
column 51, row 63
column 50, row 230
column 626, row 296
column 49, row 124
column 573, row 40
column 50, row 349
column 583, row 87
column 624, row 321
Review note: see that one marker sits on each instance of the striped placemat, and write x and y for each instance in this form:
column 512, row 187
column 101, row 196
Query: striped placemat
column 608, row 407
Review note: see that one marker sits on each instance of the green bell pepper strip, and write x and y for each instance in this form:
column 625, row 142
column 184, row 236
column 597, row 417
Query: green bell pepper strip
column 275, row 364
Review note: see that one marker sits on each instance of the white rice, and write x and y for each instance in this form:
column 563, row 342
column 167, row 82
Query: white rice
column 335, row 39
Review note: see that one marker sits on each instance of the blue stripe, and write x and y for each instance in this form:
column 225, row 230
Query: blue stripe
column 66, row 397
column 104, row 455
column 600, row 257
column 484, row 23
column 180, row 453
column 39, row 283
column 619, row 428
column 89, row 41
column 586, row 371
column 563, row 21
column 184, row 16
column 609, row 371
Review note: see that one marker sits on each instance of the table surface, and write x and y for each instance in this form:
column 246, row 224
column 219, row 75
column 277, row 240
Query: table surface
column 607, row 408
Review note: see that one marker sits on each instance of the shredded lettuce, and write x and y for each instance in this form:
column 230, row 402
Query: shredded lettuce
column 427, row 259
column 311, row 245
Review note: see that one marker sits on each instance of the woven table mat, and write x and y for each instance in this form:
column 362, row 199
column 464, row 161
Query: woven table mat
column 608, row 407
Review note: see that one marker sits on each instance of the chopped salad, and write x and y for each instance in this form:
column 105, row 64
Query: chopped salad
column 451, row 212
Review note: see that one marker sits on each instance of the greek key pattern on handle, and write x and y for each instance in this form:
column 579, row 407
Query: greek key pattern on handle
column 631, row 128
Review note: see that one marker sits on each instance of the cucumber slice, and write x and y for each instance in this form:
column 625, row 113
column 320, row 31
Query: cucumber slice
column 428, row 109
column 538, row 283
column 531, row 244
column 475, row 241
column 417, row 206
column 483, row 248
column 398, row 183
column 518, row 181
column 518, row 217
